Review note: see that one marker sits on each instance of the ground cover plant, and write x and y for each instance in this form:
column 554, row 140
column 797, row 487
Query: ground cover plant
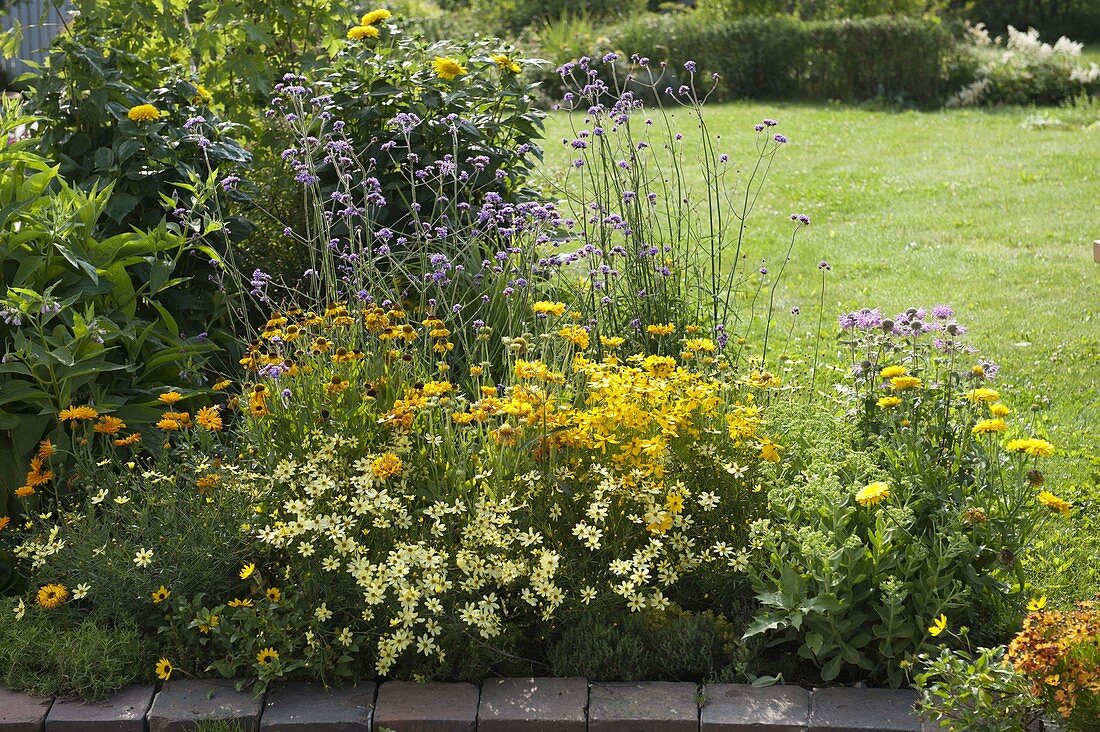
column 646, row 410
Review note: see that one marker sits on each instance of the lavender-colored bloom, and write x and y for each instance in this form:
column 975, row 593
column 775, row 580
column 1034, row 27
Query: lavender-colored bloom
column 942, row 312
column 194, row 121
column 770, row 122
column 690, row 66
column 781, row 139
column 823, row 266
column 795, row 310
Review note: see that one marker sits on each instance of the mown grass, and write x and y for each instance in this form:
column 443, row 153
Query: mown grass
column 964, row 207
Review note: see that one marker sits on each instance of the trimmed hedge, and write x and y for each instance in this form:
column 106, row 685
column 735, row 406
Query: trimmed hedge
column 907, row 59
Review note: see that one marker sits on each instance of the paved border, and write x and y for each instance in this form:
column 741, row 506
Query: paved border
column 499, row 705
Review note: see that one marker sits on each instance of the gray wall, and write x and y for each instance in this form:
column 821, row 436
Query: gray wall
column 37, row 32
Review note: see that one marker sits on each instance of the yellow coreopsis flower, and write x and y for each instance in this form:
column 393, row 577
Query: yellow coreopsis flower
column 448, row 68
column 938, row 626
column 247, row 570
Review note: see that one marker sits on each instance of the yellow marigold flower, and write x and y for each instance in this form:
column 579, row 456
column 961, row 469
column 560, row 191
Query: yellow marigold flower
column 164, row 669
column 50, row 597
column 900, row 383
column 375, row 16
column 1053, row 502
column 938, row 626
column 545, row 307
column 266, row 656
column 887, row 402
column 247, row 570
column 1031, row 446
column 1037, row 604
column 983, row 394
column 75, row 414
column 891, row 371
column 202, row 95
column 170, row 397
column 209, row 419
column 660, row 330
column 575, row 334
column 45, row 449
column 386, row 466
column 274, row 594
column 448, row 68
column 161, row 594
column 989, row 426
column 144, row 113
column 108, row 425
column 359, row 32
column 871, row 494
column 247, row 602
column 999, row 410
column 505, row 62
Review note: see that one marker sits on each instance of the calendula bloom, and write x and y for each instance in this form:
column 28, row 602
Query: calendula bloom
column 164, row 669
column 359, row 32
column 983, row 394
column 448, row 68
column 505, row 62
column 266, row 656
column 545, row 307
column 247, row 602
column 161, row 594
column 386, row 466
column 660, row 330
column 989, row 426
column 938, row 626
column 209, row 419
column 170, row 397
column 51, row 597
column 1037, row 604
column 900, row 383
column 247, row 570
column 888, row 402
column 108, row 425
column 274, row 594
column 891, row 371
column 1031, row 446
column 75, row 414
column 45, row 449
column 1053, row 502
column 205, row 482
column 24, row 491
column 375, row 16
column 4, row 521
column 871, row 494
column 131, row 439
column 144, row 113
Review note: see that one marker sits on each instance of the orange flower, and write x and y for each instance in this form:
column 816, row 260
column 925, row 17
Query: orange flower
column 130, row 439
column 108, row 425
column 75, row 414
column 45, row 449
column 24, row 491
column 4, row 521
column 209, row 419
column 170, row 397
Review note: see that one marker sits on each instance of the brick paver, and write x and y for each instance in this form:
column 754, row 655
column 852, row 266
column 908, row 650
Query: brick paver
column 405, row 706
column 181, row 703
column 846, row 709
column 742, row 708
column 533, row 705
column 629, row 707
column 22, row 712
column 124, row 711
column 305, row 707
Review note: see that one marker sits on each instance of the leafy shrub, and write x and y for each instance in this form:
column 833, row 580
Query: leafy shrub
column 1024, row 70
column 84, row 317
column 1076, row 18
column 517, row 14
column 816, row 9
column 44, row 654
column 964, row 691
column 934, row 515
column 91, row 95
column 904, row 58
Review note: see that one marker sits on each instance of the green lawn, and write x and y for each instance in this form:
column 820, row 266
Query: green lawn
column 963, row 207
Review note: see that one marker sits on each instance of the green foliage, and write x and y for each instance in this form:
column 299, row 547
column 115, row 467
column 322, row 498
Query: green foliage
column 963, row 691
column 893, row 58
column 60, row 654
column 673, row 645
column 817, row 9
column 516, row 14
column 1078, row 19
column 84, row 315
column 85, row 93
column 239, row 48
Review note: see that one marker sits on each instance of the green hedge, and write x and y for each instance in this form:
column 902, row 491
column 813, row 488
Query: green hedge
column 854, row 60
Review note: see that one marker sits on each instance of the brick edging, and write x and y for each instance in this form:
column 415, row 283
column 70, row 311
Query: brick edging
column 498, row 705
